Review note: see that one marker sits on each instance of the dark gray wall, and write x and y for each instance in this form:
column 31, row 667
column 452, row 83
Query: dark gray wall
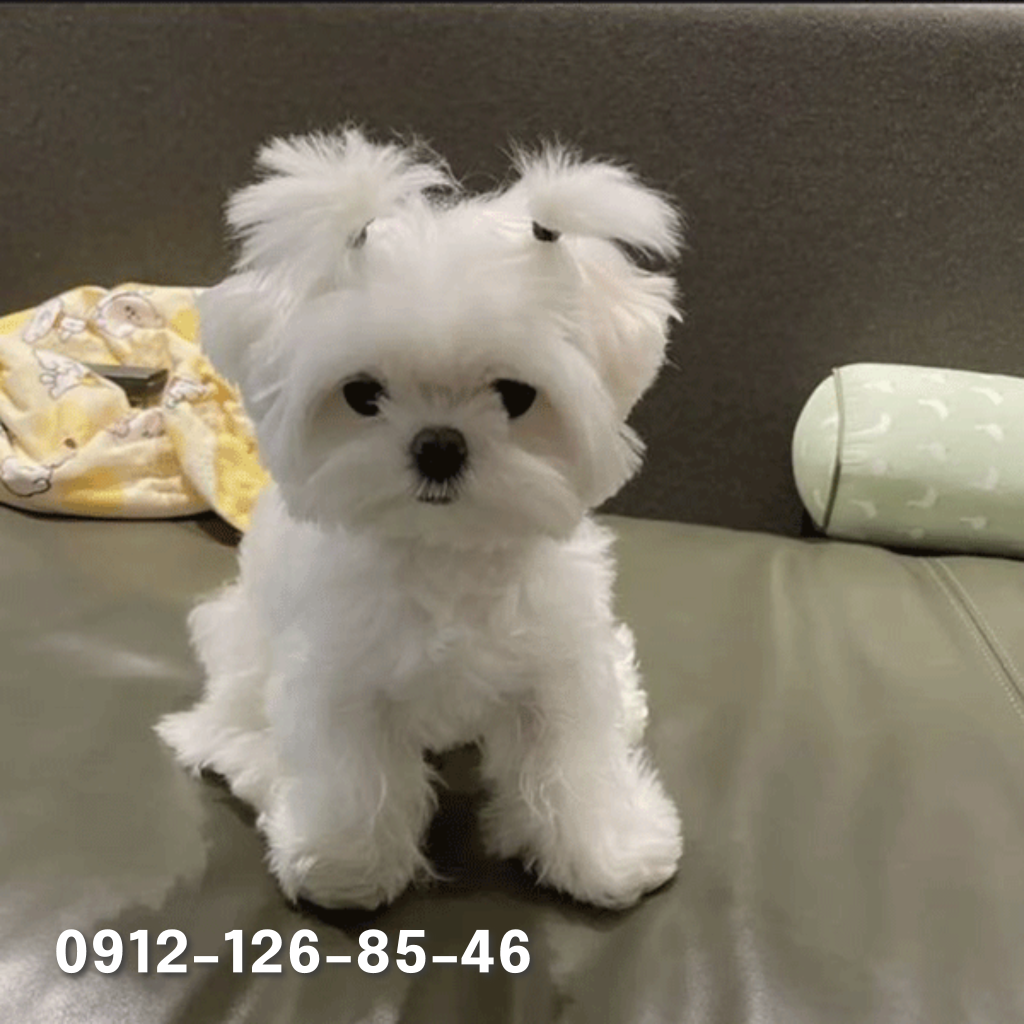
column 851, row 176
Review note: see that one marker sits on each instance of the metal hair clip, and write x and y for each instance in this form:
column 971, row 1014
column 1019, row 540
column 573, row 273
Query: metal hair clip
column 360, row 240
column 543, row 234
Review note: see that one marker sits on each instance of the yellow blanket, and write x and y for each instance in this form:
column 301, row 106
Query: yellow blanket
column 69, row 439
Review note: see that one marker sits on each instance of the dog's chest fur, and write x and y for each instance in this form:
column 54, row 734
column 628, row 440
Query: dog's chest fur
column 466, row 638
column 439, row 638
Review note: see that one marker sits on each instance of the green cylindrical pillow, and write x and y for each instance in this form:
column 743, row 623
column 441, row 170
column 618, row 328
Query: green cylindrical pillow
column 916, row 457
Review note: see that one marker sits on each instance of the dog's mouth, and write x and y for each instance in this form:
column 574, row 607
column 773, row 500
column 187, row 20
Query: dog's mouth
column 431, row 492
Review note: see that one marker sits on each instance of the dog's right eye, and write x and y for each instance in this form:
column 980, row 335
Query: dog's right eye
column 363, row 395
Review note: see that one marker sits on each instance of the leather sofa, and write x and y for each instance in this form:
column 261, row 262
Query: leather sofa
column 841, row 725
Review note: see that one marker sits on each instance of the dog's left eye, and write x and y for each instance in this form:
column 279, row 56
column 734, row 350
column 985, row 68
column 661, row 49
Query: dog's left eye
column 363, row 395
column 516, row 396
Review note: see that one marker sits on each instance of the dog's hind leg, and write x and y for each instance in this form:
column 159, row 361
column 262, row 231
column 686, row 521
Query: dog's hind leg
column 226, row 731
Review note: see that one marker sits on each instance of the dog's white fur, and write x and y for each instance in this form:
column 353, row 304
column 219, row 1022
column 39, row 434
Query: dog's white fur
column 369, row 626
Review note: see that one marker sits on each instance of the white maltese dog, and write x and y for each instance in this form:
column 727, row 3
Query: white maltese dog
column 439, row 384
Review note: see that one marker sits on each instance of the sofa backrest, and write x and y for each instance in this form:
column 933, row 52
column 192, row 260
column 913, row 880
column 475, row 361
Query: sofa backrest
column 850, row 175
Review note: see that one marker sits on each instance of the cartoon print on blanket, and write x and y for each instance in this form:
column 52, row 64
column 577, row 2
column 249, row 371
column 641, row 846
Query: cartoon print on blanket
column 72, row 442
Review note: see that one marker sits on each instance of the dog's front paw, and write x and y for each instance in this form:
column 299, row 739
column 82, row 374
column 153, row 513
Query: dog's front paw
column 338, row 869
column 329, row 883
column 615, row 861
column 607, row 848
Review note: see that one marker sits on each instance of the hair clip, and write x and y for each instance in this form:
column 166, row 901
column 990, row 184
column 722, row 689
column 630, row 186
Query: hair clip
column 360, row 239
column 543, row 234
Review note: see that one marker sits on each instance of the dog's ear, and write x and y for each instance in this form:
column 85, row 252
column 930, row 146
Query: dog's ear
column 598, row 203
column 301, row 229
column 568, row 195
column 302, row 223
column 235, row 318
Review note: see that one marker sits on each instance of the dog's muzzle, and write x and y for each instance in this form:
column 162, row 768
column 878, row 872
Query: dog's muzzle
column 439, row 454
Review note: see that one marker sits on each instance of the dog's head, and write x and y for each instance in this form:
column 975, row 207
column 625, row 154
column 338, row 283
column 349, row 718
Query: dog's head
column 432, row 365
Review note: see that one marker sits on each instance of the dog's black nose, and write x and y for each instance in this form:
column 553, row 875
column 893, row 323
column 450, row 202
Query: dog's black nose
column 439, row 453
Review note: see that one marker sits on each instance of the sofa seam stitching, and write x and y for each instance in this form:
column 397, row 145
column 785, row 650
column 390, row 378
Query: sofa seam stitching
column 1006, row 659
column 998, row 660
